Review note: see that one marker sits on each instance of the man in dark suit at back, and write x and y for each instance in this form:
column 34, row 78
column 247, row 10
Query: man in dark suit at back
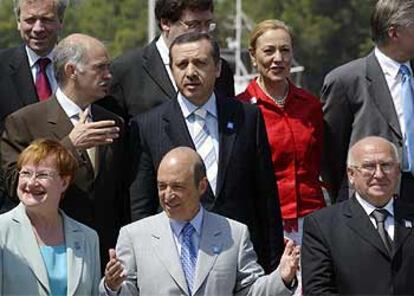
column 26, row 72
column 230, row 137
column 364, row 98
column 142, row 78
column 94, row 135
column 364, row 245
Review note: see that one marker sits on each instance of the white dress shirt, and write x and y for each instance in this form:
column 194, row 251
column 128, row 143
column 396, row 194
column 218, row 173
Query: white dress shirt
column 34, row 68
column 187, row 108
column 177, row 227
column 389, row 223
column 391, row 69
column 164, row 52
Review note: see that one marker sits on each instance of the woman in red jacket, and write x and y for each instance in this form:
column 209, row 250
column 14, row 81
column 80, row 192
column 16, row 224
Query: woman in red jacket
column 294, row 124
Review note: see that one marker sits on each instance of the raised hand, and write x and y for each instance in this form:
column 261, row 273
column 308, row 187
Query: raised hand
column 86, row 135
column 289, row 263
column 114, row 272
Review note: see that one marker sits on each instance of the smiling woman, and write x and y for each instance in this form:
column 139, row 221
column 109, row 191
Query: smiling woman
column 43, row 251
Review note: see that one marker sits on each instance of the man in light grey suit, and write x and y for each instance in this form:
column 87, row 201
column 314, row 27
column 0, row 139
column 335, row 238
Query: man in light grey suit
column 363, row 98
column 151, row 254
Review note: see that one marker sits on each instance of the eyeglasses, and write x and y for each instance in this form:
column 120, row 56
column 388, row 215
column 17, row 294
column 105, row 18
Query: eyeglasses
column 369, row 169
column 196, row 25
column 39, row 176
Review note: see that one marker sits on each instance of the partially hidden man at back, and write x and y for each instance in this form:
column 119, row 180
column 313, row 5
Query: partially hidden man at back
column 373, row 96
column 230, row 137
column 94, row 135
column 142, row 77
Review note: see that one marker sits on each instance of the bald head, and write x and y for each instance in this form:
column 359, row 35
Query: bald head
column 373, row 170
column 188, row 158
column 367, row 143
column 181, row 181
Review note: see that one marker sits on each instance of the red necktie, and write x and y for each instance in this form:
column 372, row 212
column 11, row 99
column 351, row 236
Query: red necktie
column 43, row 88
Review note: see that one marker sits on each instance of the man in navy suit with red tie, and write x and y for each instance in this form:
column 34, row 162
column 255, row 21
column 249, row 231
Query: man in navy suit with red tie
column 26, row 71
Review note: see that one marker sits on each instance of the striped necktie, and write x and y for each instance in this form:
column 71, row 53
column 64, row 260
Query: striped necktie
column 204, row 145
column 408, row 115
column 188, row 255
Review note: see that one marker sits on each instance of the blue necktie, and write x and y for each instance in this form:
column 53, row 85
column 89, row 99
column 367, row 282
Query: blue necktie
column 408, row 114
column 188, row 255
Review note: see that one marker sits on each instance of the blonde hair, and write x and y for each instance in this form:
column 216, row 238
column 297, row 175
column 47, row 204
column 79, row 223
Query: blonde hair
column 265, row 26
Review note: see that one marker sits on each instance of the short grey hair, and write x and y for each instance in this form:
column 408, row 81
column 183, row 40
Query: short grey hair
column 389, row 13
column 67, row 52
column 351, row 159
column 60, row 4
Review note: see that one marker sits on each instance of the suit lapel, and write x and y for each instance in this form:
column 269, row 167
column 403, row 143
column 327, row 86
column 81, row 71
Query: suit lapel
column 22, row 77
column 29, row 247
column 175, row 126
column 403, row 227
column 359, row 222
column 75, row 252
column 165, row 249
column 380, row 94
column 228, row 123
column 59, row 123
column 211, row 245
column 155, row 69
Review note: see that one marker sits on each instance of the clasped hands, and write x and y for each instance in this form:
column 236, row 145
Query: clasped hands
column 85, row 135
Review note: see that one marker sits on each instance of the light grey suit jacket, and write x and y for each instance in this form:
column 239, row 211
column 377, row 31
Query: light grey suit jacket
column 356, row 103
column 22, row 270
column 226, row 263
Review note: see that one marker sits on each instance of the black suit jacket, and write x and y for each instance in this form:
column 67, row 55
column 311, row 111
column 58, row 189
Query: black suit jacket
column 98, row 201
column 246, row 188
column 141, row 82
column 17, row 90
column 356, row 103
column 342, row 253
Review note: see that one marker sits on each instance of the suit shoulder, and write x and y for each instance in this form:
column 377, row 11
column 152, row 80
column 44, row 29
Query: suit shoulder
column 127, row 62
column 6, row 53
column 78, row 226
column 26, row 111
column 143, row 225
column 327, row 215
column 348, row 71
column 222, row 220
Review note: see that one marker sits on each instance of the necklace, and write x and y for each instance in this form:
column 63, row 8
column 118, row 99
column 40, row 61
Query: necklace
column 281, row 100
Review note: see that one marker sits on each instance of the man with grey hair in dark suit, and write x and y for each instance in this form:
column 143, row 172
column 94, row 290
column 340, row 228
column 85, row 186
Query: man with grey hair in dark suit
column 372, row 96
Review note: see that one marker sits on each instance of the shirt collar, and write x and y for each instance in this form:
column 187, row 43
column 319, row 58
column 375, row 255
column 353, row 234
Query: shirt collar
column 188, row 108
column 70, row 108
column 369, row 208
column 33, row 57
column 197, row 221
column 388, row 65
column 163, row 50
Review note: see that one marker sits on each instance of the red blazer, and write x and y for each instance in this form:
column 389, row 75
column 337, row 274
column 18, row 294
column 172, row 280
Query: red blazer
column 296, row 137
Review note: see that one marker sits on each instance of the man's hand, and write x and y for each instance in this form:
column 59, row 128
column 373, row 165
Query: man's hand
column 289, row 263
column 85, row 135
column 114, row 272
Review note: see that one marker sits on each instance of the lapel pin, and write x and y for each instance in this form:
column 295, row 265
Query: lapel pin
column 77, row 246
column 253, row 100
column 408, row 224
column 230, row 125
column 216, row 250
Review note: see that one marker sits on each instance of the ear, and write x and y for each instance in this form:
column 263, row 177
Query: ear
column 351, row 174
column 393, row 32
column 18, row 25
column 71, row 72
column 218, row 69
column 165, row 25
column 66, row 182
column 202, row 186
column 252, row 55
